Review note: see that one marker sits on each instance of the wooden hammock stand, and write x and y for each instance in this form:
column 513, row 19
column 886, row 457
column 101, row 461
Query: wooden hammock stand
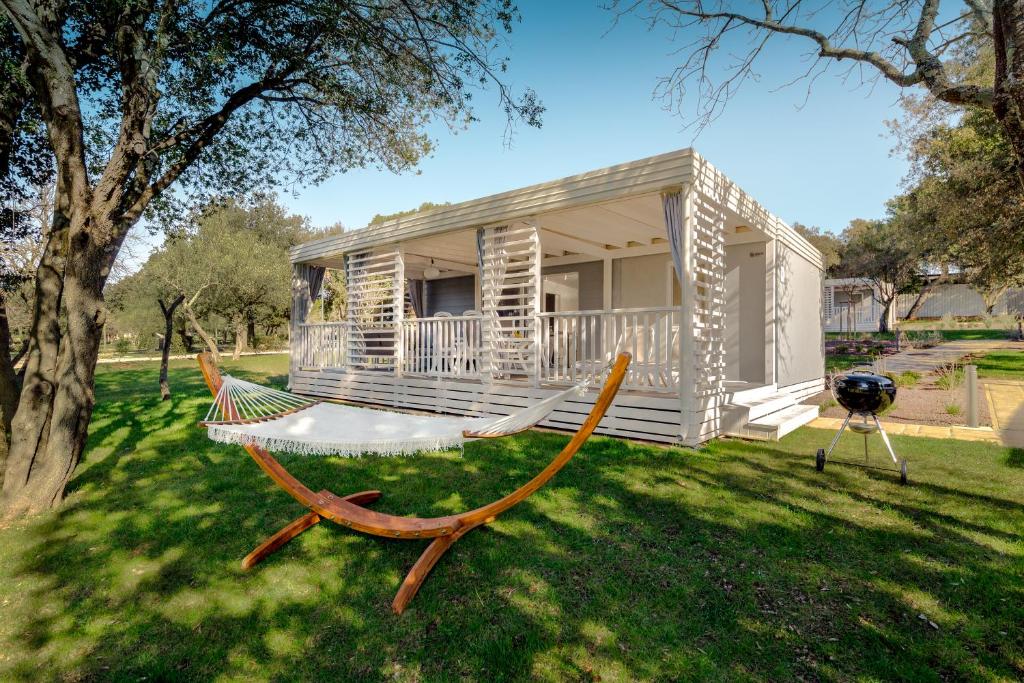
column 350, row 511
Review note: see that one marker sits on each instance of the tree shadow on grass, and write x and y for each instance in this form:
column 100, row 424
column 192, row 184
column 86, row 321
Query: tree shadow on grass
column 1015, row 458
column 633, row 563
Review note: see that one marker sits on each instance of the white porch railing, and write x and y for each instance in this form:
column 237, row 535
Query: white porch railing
column 321, row 345
column 442, row 347
column 580, row 344
column 574, row 345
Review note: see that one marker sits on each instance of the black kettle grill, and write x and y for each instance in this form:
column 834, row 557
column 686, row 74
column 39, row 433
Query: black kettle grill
column 865, row 394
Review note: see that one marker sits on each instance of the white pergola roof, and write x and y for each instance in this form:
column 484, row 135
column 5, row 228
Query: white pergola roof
column 596, row 213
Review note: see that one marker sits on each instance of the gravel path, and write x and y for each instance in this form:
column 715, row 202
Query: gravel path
column 923, row 404
column 924, row 361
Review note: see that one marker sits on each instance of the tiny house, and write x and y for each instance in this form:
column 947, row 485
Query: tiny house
column 487, row 305
column 852, row 305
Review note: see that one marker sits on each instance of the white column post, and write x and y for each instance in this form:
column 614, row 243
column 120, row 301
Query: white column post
column 399, row 311
column 538, row 283
column 771, row 310
column 606, row 281
column 300, row 307
column 687, row 336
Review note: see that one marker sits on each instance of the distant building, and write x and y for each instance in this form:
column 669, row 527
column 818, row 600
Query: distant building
column 959, row 301
column 852, row 305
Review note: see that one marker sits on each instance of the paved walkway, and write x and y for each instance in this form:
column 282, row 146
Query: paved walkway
column 181, row 356
column 1006, row 405
column 933, row 431
column 926, row 360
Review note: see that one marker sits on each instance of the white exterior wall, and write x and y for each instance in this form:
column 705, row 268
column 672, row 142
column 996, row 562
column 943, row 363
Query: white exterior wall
column 745, row 333
column 641, row 281
column 800, row 350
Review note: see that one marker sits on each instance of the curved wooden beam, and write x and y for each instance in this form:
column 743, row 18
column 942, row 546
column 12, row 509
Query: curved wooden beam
column 304, row 522
column 348, row 511
column 418, row 574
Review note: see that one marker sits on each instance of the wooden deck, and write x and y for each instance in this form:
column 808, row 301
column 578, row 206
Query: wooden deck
column 650, row 416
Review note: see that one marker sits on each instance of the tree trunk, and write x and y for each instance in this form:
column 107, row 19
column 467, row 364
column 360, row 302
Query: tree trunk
column 187, row 340
column 883, row 320
column 250, row 332
column 31, row 420
column 240, row 338
column 990, row 297
column 57, row 398
column 210, row 342
column 922, row 296
column 168, row 311
column 8, row 386
column 1008, row 93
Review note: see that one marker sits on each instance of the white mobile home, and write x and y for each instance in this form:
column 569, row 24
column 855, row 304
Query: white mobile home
column 852, row 305
column 487, row 305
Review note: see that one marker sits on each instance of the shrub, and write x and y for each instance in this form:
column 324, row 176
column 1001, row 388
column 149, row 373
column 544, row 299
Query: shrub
column 950, row 375
column 948, row 322
column 270, row 342
column 928, row 339
column 841, row 350
column 952, row 409
column 122, row 346
column 825, row 405
column 905, row 379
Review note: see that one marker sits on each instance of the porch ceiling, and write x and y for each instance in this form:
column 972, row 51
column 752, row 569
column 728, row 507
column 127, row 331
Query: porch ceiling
column 617, row 229
column 597, row 231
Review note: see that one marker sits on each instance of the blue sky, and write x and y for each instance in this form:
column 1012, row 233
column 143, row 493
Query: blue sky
column 822, row 164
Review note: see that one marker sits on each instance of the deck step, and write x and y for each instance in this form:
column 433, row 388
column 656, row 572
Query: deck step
column 776, row 425
column 761, row 407
column 744, row 392
column 736, row 414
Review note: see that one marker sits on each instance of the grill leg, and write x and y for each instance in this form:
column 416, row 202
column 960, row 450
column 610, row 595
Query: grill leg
column 835, row 439
column 885, row 440
column 865, row 442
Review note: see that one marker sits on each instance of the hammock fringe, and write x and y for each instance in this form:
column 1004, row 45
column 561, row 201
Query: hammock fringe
column 250, row 414
column 347, row 449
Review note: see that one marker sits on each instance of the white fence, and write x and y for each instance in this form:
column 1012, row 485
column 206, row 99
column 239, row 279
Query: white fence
column 321, row 345
column 442, row 347
column 574, row 345
column 580, row 344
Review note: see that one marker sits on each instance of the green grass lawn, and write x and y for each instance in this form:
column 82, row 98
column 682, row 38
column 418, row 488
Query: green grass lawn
column 734, row 562
column 1001, row 365
column 839, row 362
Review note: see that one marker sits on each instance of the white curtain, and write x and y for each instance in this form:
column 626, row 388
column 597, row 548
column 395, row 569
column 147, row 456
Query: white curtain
column 672, row 202
column 415, row 288
column 306, row 283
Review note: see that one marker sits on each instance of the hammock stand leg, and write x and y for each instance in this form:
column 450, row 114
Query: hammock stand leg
column 418, row 574
column 280, row 538
column 306, row 521
column 441, row 531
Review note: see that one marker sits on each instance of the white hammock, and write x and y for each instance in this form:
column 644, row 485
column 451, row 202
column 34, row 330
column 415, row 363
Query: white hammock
column 246, row 413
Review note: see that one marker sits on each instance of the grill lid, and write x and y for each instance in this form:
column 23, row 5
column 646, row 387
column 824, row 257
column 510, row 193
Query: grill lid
column 864, row 392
